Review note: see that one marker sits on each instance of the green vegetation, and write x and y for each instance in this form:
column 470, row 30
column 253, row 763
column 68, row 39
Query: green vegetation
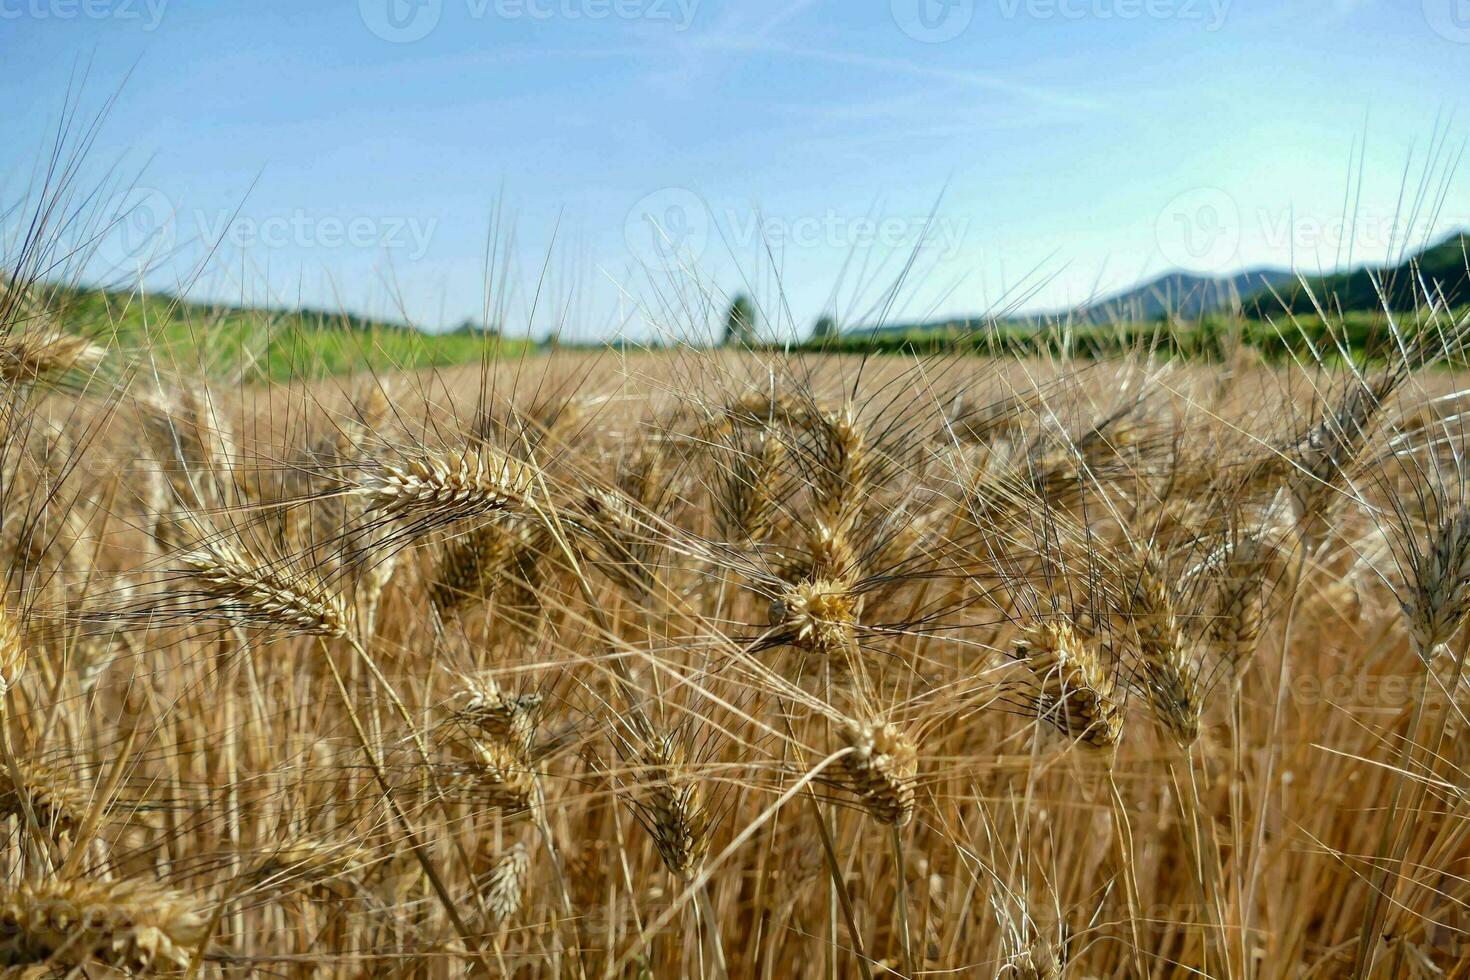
column 1211, row 338
column 740, row 320
column 1202, row 317
column 266, row 344
column 1442, row 269
column 223, row 341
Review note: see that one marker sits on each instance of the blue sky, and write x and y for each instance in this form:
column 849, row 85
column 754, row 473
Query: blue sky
column 633, row 162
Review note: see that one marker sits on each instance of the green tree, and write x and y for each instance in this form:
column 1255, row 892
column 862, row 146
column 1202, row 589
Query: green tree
column 740, row 321
column 471, row 326
column 824, row 329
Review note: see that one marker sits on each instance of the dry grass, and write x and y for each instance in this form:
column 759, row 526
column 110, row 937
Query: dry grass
column 701, row 664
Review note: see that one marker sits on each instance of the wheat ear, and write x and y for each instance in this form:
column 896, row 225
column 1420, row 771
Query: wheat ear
column 251, row 593
column 1240, row 599
column 32, row 356
column 1321, row 461
column 1438, row 601
column 470, row 565
column 306, row 860
column 749, row 492
column 441, row 488
column 12, row 650
column 128, row 924
column 1171, row 677
column 500, row 716
column 819, row 617
column 670, row 806
column 504, row 885
column 880, row 769
column 58, row 805
column 843, row 469
column 500, row 776
column 1070, row 687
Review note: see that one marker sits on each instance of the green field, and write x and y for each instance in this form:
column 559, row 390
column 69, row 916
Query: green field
column 256, row 344
column 1369, row 335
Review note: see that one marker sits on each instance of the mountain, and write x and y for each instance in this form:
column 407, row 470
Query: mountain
column 1178, row 295
column 1442, row 269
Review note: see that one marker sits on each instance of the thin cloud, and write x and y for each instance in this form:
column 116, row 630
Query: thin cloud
column 972, row 79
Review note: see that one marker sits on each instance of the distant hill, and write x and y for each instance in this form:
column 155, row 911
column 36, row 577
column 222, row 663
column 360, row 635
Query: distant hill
column 1180, row 295
column 1441, row 269
column 1176, row 295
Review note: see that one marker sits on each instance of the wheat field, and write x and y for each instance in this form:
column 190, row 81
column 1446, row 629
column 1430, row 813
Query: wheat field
column 707, row 664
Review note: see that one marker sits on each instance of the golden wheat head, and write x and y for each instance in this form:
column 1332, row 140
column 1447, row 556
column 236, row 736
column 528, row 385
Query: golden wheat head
column 880, row 769
column 1071, row 687
column 128, row 924
column 434, row 489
